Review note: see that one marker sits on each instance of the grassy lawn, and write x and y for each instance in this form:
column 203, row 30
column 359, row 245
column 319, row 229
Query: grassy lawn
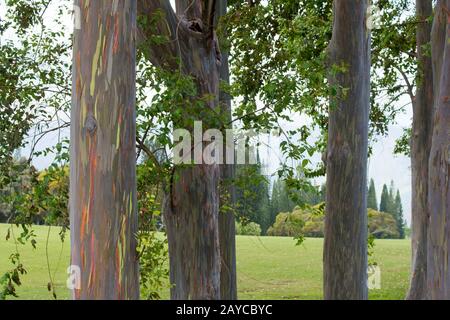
column 268, row 267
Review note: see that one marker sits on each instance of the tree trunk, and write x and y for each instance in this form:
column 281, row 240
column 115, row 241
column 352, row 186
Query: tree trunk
column 191, row 208
column 103, row 216
column 191, row 203
column 420, row 151
column 191, row 217
column 227, row 232
column 438, row 272
column 345, row 247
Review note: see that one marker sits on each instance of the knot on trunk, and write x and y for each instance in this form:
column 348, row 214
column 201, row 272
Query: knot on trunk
column 193, row 27
column 196, row 25
column 90, row 125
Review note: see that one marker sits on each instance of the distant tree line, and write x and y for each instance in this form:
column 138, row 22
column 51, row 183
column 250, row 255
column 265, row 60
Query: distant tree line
column 277, row 214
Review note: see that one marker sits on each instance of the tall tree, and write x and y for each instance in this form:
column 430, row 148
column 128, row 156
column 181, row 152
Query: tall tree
column 227, row 232
column 399, row 215
column 420, row 150
column 372, row 196
column 103, row 155
column 345, row 247
column 384, row 201
column 438, row 276
column 391, row 203
column 274, row 201
column 252, row 194
column 280, row 200
column 191, row 204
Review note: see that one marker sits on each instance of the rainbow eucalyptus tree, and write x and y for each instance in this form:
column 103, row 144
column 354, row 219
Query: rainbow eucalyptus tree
column 345, row 247
column 191, row 205
column 438, row 273
column 227, row 232
column 103, row 216
column 420, row 151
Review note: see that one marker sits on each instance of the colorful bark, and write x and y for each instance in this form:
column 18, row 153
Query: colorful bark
column 345, row 247
column 191, row 217
column 420, row 151
column 103, row 215
column 438, row 272
column 227, row 232
column 191, row 205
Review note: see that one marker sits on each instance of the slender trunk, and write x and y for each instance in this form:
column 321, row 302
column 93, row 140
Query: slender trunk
column 191, row 209
column 227, row 232
column 345, row 248
column 420, row 151
column 103, row 215
column 438, row 272
column 191, row 217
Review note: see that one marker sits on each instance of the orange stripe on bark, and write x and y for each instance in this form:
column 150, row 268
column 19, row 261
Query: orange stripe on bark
column 92, row 269
column 116, row 34
column 83, row 223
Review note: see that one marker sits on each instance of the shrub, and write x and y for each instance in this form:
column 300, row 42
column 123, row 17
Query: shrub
column 248, row 229
column 309, row 222
column 382, row 225
column 287, row 225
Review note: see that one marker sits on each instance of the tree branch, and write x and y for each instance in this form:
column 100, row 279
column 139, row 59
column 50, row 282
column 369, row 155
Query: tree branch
column 209, row 12
column 408, row 83
column 141, row 145
column 151, row 28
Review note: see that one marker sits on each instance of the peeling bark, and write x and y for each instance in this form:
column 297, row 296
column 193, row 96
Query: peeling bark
column 345, row 247
column 103, row 215
column 420, row 151
column 438, row 272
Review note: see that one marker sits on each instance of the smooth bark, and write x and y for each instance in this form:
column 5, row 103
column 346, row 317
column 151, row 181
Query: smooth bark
column 438, row 272
column 345, row 247
column 103, row 215
column 227, row 232
column 191, row 204
column 420, row 151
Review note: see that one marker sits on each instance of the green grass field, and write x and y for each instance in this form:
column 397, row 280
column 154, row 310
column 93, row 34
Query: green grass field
column 268, row 267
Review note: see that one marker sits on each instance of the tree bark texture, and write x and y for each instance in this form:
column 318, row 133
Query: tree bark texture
column 227, row 231
column 345, row 247
column 191, row 205
column 420, row 151
column 103, row 206
column 438, row 272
